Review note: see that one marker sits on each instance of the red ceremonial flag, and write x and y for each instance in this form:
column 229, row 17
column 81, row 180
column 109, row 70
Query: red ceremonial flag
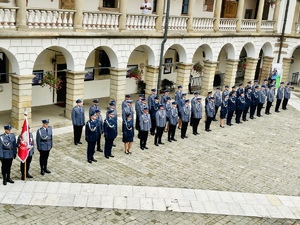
column 24, row 147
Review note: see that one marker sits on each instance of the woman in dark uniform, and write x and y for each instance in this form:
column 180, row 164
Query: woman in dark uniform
column 224, row 110
column 128, row 134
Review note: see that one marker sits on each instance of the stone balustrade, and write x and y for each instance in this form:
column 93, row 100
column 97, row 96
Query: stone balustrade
column 50, row 18
column 100, row 20
column 8, row 17
column 227, row 25
column 267, row 26
column 249, row 25
column 203, row 24
column 140, row 22
column 177, row 23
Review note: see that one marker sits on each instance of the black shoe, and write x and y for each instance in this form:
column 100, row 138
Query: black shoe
column 80, row 143
column 207, row 130
column 146, row 147
column 10, row 181
column 99, row 150
column 47, row 171
column 169, row 140
column 156, row 144
column 42, row 172
column 277, row 111
column 76, row 143
column 22, row 177
column 4, row 182
column 161, row 143
column 185, row 136
column 142, row 148
column 182, row 137
column 89, row 161
column 29, row 175
column 197, row 133
column 173, row 139
column 111, row 156
column 114, row 145
column 221, row 126
column 194, row 133
column 94, row 160
column 215, row 120
column 152, row 134
column 107, row 157
column 251, row 118
column 259, row 116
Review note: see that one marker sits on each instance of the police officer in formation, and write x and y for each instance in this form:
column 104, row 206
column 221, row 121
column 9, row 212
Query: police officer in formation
column 180, row 105
column 154, row 109
column 173, row 121
column 185, row 117
column 127, row 109
column 231, row 107
column 91, row 136
column 254, row 101
column 160, row 119
column 110, row 131
column 94, row 107
column 145, row 126
column 151, row 99
column 248, row 97
column 224, row 110
column 193, row 102
column 218, row 101
column 210, row 113
column 100, row 129
column 78, row 121
column 8, row 151
column 287, row 96
column 279, row 96
column 128, row 133
column 124, row 103
column 270, row 99
column 262, row 100
column 44, row 144
column 197, row 115
column 240, row 106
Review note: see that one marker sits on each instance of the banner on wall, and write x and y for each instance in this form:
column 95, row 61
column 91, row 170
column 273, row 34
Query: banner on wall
column 276, row 74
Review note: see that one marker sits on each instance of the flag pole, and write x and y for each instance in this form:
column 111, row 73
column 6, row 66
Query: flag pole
column 25, row 114
column 25, row 171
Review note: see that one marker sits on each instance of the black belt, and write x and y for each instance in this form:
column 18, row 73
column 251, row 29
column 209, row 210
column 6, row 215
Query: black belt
column 45, row 140
column 8, row 148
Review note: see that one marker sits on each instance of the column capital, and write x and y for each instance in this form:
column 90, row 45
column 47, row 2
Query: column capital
column 232, row 61
column 268, row 58
column 22, row 79
column 287, row 60
column 152, row 68
column 118, row 71
column 210, row 63
column 251, row 60
column 185, row 65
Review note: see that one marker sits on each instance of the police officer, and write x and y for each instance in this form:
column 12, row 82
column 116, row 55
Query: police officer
column 151, row 99
column 160, row 119
column 233, row 90
column 239, row 90
column 207, row 99
column 279, row 96
column 29, row 157
column 185, row 117
column 128, row 109
column 145, row 125
column 193, row 102
column 110, row 130
column 231, row 107
column 163, row 98
column 287, row 96
column 248, row 86
column 270, row 99
column 240, row 106
column 254, row 85
column 254, row 102
column 78, row 121
column 248, row 100
column 210, row 113
column 180, row 105
column 91, row 136
column 44, row 144
column 223, row 111
column 178, row 93
column 218, row 101
column 173, row 120
column 94, row 107
column 124, row 103
column 100, row 129
column 262, row 100
column 128, row 133
column 153, row 110
column 197, row 114
column 225, row 92
column 137, row 111
column 8, row 151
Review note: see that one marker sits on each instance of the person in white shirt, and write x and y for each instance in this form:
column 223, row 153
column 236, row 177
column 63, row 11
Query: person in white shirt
column 146, row 7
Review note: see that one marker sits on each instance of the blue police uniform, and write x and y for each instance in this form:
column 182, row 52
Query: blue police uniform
column 154, row 109
column 287, row 96
column 78, row 121
column 262, row 100
column 224, row 109
column 254, row 103
column 8, row 151
column 93, row 109
column 100, row 131
column 160, row 119
column 231, row 109
column 44, row 143
column 110, row 133
column 185, row 117
column 145, row 127
column 128, row 131
column 173, row 121
column 270, row 99
column 210, row 113
column 225, row 93
column 240, row 107
column 127, row 110
column 91, row 137
column 29, row 157
column 248, row 100
column 218, row 102
column 151, row 101
column 197, row 114
column 279, row 97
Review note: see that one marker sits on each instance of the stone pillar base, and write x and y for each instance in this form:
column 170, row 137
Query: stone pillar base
column 151, row 78
column 208, row 77
column 183, row 76
column 75, row 86
column 117, row 87
column 286, row 63
column 21, row 99
column 230, row 74
column 266, row 68
column 250, row 70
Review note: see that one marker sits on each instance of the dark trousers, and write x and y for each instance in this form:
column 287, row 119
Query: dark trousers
column 245, row 112
column 216, row 110
column 44, row 158
column 90, row 150
column 153, row 125
column 158, row 135
column 143, row 139
column 269, row 104
column 229, row 116
column 195, row 125
column 108, row 146
column 259, row 107
column 238, row 116
column 77, row 133
column 252, row 110
column 184, row 128
column 208, row 122
column 137, row 122
column 284, row 103
column 171, row 132
column 22, row 165
column 99, row 143
column 6, row 167
column 192, row 119
column 278, row 102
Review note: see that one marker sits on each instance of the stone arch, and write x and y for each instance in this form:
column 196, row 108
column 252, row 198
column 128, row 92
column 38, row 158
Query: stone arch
column 13, row 61
column 181, row 52
column 229, row 49
column 145, row 48
column 293, row 50
column 250, row 50
column 207, row 53
column 267, row 49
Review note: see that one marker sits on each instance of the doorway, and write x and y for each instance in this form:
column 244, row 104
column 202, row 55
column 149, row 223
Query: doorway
column 62, row 93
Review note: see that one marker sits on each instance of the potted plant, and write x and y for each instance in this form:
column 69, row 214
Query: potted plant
column 49, row 79
column 137, row 74
column 242, row 64
column 198, row 68
column 167, row 84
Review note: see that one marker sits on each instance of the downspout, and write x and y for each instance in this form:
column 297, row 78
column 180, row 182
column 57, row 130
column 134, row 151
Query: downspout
column 283, row 30
column 163, row 46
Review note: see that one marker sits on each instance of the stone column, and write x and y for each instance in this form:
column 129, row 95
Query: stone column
column 239, row 15
column 151, row 78
column 75, row 85
column 123, row 11
column 160, row 14
column 250, row 70
column 190, row 14
column 21, row 99
column 230, row 74
column 183, row 75
column 21, row 15
column 286, row 63
column 266, row 68
column 296, row 16
column 260, row 14
column 217, row 15
column 275, row 16
column 117, row 86
column 208, row 77
column 78, row 17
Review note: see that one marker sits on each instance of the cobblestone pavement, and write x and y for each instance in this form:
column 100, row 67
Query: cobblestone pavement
column 16, row 214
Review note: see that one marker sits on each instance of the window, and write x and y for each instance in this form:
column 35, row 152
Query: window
column 3, row 68
column 109, row 3
column 104, row 63
column 185, row 5
column 154, row 6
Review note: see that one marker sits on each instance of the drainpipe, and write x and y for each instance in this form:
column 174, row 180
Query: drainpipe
column 283, row 30
column 163, row 46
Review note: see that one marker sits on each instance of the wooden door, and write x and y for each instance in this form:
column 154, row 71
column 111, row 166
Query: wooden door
column 230, row 9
